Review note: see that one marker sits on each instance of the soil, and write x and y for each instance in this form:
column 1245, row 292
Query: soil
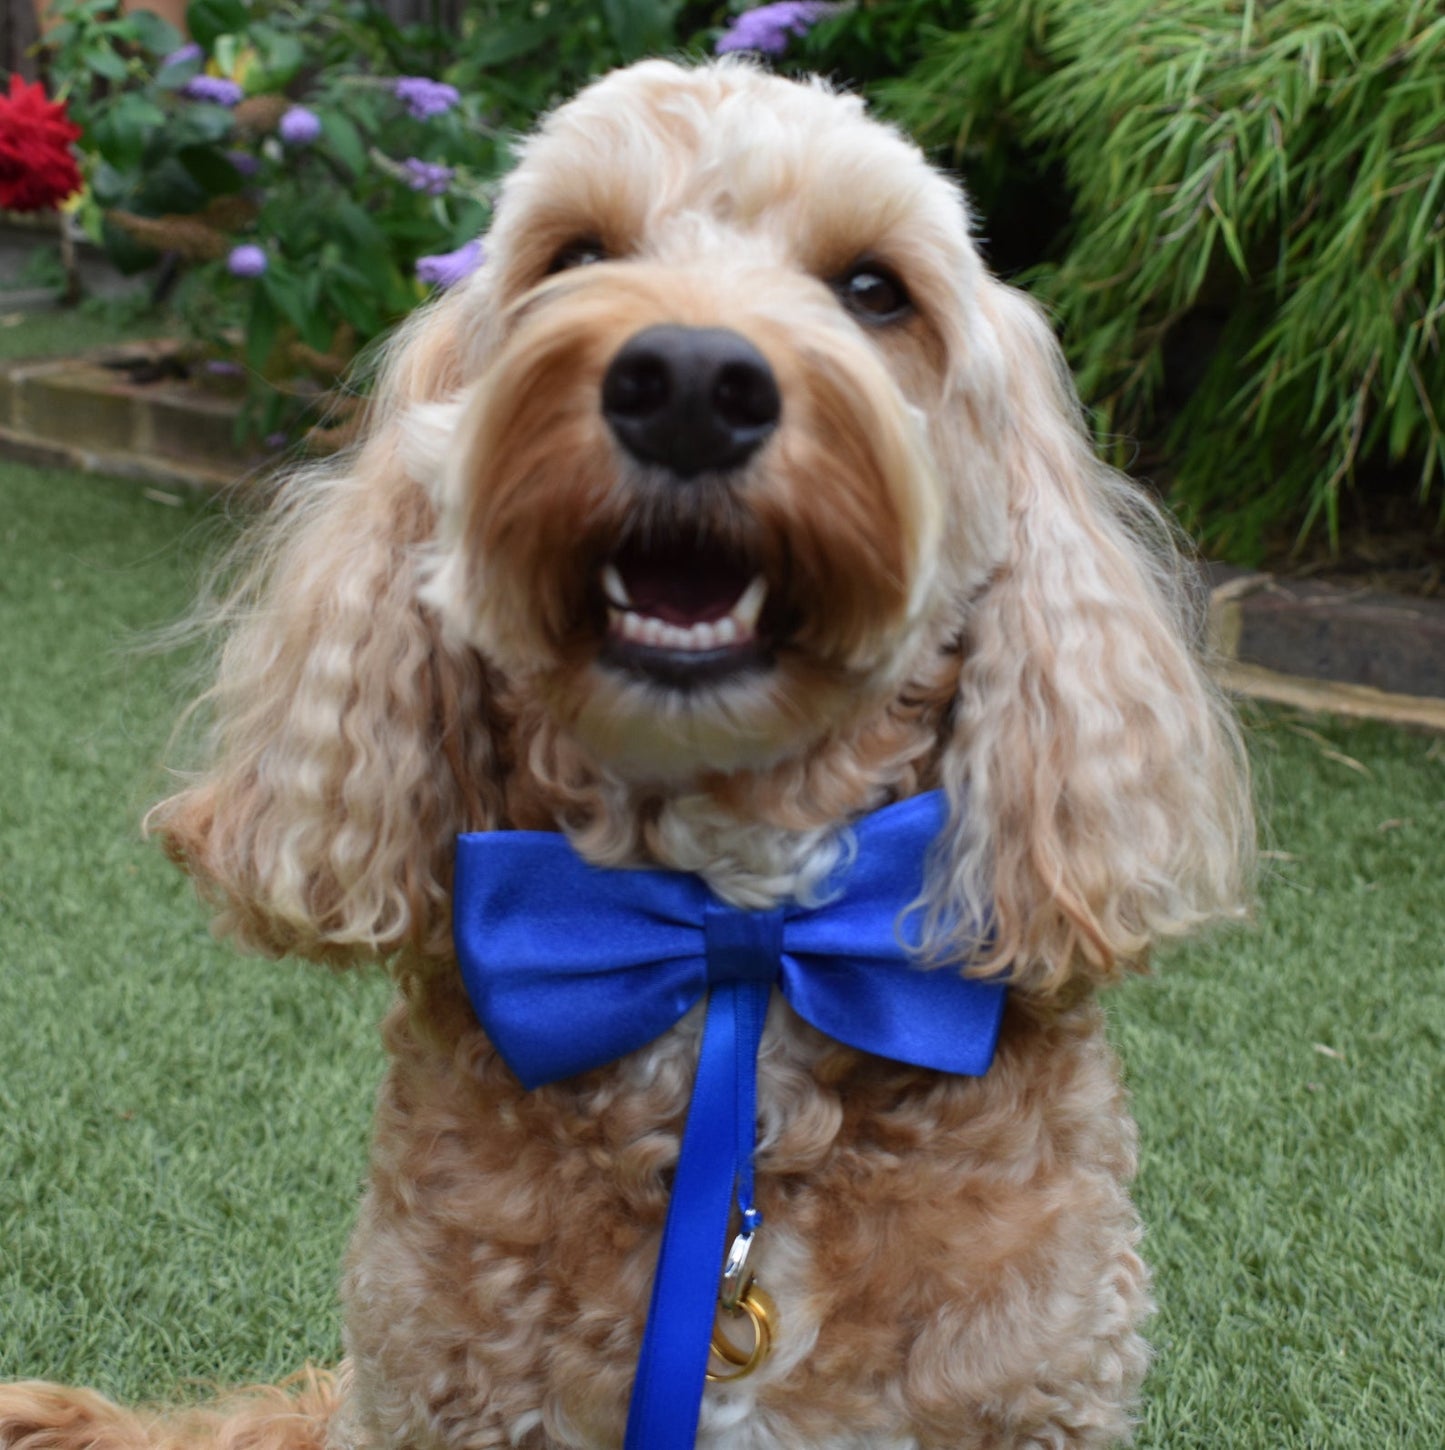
column 1392, row 544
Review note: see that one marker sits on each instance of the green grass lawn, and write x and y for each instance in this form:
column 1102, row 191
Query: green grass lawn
column 183, row 1132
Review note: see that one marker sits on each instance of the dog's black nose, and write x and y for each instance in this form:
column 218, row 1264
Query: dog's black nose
column 690, row 398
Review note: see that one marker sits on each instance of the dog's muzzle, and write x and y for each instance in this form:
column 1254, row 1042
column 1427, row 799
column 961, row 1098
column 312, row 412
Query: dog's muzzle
column 683, row 600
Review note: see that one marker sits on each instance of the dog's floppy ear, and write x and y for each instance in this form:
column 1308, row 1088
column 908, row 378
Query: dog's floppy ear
column 347, row 740
column 1100, row 792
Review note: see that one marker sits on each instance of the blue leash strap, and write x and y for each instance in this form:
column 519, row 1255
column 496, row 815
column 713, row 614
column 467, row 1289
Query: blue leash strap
column 716, row 1161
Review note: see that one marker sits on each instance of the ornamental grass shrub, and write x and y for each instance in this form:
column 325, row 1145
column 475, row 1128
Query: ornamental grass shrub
column 1236, row 209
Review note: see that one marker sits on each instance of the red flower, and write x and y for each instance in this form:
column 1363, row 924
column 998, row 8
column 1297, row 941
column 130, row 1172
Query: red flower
column 37, row 169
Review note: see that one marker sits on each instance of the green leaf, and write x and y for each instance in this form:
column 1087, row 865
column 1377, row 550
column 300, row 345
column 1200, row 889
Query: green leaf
column 290, row 295
column 281, row 58
column 208, row 20
column 345, row 141
column 105, row 62
column 201, row 124
column 510, row 42
column 152, row 34
column 107, row 185
column 366, row 240
column 122, row 129
column 227, row 51
column 169, row 188
column 1405, row 420
column 174, row 77
column 262, row 417
column 261, row 329
column 1231, row 240
column 211, row 170
column 640, row 27
column 354, row 304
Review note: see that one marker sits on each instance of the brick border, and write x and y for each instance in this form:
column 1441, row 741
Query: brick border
column 1348, row 650
column 77, row 412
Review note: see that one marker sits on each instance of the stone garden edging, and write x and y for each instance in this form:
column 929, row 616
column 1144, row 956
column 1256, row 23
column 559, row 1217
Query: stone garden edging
column 1341, row 649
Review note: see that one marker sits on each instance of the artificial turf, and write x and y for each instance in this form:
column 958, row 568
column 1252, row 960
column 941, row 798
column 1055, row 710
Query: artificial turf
column 183, row 1131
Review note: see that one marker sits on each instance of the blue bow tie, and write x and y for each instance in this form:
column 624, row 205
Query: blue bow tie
column 570, row 967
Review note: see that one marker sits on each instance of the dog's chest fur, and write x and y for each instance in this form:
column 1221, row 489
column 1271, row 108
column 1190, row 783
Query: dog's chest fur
column 929, row 1240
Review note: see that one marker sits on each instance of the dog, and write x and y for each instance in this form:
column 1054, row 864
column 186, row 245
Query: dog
column 730, row 502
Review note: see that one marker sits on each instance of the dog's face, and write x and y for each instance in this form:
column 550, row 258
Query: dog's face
column 730, row 493
column 710, row 488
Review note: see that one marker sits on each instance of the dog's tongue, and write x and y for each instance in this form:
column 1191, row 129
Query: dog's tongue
column 682, row 589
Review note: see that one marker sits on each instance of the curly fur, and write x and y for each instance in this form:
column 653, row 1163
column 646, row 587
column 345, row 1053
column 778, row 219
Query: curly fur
column 973, row 602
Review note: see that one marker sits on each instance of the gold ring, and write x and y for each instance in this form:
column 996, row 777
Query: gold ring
column 761, row 1311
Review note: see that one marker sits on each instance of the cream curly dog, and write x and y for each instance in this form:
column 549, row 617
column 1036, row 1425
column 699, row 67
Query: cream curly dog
column 730, row 501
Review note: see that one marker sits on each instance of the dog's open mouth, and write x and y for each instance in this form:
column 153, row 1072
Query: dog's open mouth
column 683, row 611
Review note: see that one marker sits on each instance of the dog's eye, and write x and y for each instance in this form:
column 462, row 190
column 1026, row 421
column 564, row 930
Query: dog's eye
column 872, row 293
column 579, row 252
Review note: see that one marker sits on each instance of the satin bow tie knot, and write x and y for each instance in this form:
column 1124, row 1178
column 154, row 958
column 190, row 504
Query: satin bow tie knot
column 570, row 967
column 742, row 946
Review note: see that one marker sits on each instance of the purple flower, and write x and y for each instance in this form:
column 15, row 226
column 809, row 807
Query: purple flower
column 246, row 261
column 244, row 162
column 448, row 268
column 299, row 127
column 428, row 176
column 425, row 98
column 770, row 27
column 216, row 89
column 188, row 54
column 220, row 367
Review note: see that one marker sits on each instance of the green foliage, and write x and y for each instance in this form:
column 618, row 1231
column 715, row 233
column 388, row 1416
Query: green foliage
column 338, row 220
column 1253, row 257
column 862, row 44
column 333, row 230
column 91, row 44
column 342, row 220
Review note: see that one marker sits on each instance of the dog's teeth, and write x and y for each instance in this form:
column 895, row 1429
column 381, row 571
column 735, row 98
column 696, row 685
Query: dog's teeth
column 747, row 609
column 614, row 588
column 647, row 629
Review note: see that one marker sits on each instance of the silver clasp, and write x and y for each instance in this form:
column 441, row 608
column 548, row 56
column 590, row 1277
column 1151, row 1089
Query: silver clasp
column 735, row 1277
